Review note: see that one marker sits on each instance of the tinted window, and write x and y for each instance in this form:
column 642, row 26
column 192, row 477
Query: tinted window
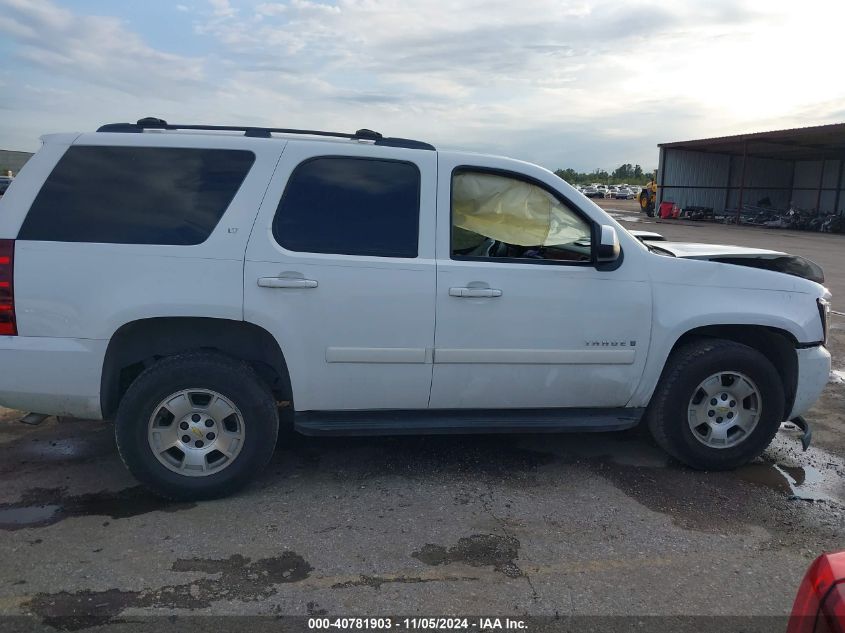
column 500, row 217
column 351, row 206
column 136, row 195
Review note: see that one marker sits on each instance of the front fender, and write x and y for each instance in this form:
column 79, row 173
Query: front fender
column 681, row 308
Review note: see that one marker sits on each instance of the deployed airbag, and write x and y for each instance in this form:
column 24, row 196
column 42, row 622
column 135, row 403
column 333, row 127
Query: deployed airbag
column 512, row 211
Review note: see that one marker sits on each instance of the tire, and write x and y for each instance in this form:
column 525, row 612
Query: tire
column 646, row 204
column 677, row 405
column 220, row 402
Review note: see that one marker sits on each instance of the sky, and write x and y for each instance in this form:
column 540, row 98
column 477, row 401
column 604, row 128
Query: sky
column 585, row 84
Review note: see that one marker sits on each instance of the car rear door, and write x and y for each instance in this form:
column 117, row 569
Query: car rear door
column 340, row 269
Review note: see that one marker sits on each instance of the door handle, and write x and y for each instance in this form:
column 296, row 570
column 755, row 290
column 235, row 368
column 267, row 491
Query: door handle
column 286, row 282
column 474, row 292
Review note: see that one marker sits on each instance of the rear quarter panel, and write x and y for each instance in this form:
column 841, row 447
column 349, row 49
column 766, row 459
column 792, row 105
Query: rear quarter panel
column 89, row 290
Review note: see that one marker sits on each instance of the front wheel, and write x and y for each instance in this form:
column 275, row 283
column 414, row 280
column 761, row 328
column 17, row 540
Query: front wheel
column 717, row 406
column 197, row 425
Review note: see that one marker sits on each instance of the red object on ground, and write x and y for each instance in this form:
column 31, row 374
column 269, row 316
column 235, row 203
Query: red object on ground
column 666, row 210
column 820, row 604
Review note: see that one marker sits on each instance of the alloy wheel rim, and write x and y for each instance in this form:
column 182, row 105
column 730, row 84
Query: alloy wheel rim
column 196, row 432
column 724, row 409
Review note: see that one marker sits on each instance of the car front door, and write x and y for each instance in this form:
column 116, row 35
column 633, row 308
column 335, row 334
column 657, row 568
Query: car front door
column 525, row 318
column 340, row 269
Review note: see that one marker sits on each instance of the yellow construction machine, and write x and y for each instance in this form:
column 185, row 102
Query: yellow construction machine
column 648, row 195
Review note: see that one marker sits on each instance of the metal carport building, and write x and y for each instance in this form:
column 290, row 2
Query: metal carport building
column 801, row 167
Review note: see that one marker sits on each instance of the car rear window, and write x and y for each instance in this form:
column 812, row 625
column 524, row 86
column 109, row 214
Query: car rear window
column 351, row 206
column 136, row 195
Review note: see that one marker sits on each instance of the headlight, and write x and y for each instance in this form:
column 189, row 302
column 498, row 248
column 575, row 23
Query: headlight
column 824, row 314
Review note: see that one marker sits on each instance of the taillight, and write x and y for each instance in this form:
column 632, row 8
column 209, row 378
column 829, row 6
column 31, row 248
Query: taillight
column 820, row 604
column 8, row 325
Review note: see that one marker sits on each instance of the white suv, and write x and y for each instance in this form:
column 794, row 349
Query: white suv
column 187, row 280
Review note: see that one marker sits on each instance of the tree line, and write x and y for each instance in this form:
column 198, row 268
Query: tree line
column 627, row 174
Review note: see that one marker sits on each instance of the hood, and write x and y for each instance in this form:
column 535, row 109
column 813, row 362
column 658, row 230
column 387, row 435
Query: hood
column 743, row 256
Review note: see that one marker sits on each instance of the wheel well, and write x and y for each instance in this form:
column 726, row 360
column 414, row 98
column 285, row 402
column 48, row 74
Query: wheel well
column 778, row 346
column 140, row 344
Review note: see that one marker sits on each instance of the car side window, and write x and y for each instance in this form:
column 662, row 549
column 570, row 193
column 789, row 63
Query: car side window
column 498, row 216
column 136, row 195
column 351, row 206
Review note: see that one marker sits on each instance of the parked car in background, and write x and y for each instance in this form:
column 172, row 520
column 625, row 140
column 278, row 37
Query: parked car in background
column 820, row 604
column 592, row 192
column 623, row 193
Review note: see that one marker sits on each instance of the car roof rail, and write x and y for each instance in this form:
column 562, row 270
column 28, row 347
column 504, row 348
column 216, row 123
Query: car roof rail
column 152, row 123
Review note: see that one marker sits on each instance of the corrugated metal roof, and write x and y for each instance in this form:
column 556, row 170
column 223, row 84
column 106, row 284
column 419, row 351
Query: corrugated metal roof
column 801, row 143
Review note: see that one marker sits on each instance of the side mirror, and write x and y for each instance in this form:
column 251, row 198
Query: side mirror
column 608, row 249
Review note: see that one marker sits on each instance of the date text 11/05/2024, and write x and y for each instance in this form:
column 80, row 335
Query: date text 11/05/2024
column 430, row 623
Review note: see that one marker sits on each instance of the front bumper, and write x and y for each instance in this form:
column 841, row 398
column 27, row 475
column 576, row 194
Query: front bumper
column 813, row 376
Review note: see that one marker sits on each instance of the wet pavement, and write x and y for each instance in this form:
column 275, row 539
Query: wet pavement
column 429, row 525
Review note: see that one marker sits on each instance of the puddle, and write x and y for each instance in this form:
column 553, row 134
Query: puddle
column 70, row 449
column 236, row 577
column 478, row 550
column 41, row 507
column 837, row 376
column 27, row 516
column 623, row 216
column 769, row 493
column 53, row 443
column 798, row 482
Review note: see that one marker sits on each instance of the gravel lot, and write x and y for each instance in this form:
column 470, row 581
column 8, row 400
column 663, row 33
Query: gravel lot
column 485, row 525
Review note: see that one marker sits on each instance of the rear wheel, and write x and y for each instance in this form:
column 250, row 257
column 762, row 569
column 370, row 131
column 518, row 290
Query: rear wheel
column 196, row 426
column 717, row 406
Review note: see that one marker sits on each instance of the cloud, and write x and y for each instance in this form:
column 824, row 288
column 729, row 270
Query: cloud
column 581, row 83
column 222, row 8
column 271, row 8
column 96, row 50
column 487, row 59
